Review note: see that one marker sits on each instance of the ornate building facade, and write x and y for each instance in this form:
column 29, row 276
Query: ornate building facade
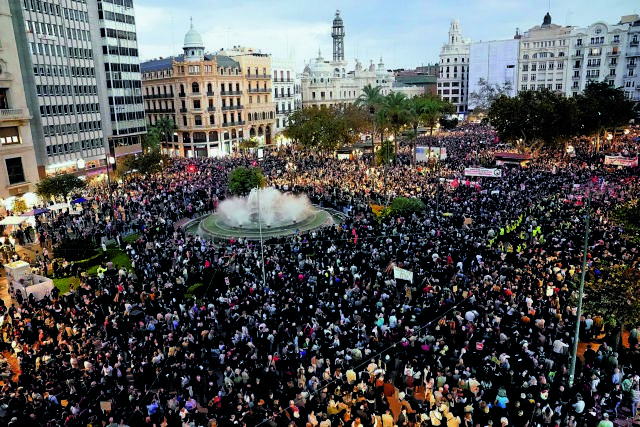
column 453, row 81
column 215, row 100
column 328, row 83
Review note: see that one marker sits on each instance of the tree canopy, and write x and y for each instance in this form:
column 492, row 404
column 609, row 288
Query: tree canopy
column 603, row 106
column 487, row 93
column 615, row 292
column 59, row 185
column 326, row 128
column 242, row 180
column 535, row 115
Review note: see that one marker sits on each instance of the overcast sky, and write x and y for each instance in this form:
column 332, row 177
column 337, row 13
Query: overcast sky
column 406, row 33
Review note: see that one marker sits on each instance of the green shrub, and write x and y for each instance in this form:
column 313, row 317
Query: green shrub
column 401, row 205
column 196, row 289
column 75, row 249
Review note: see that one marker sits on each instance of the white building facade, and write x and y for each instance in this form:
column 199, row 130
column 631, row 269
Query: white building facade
column 453, row 81
column 597, row 54
column 631, row 59
column 496, row 62
column 286, row 91
column 544, row 57
column 328, row 83
column 18, row 167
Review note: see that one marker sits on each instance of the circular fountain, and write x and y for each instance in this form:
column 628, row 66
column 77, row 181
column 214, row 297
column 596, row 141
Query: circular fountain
column 267, row 211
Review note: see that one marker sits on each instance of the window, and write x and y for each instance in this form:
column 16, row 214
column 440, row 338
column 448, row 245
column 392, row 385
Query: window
column 9, row 135
column 196, row 104
column 15, row 172
column 212, row 119
column 616, row 38
column 195, row 87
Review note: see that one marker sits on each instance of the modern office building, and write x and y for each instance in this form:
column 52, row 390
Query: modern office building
column 122, row 75
column 81, row 79
column 18, row 166
column 453, row 81
column 215, row 100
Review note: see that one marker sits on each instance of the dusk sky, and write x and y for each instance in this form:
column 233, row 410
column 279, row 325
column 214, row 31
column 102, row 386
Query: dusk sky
column 406, row 33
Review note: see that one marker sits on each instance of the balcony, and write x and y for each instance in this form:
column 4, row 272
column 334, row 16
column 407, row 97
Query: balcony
column 593, row 65
column 183, row 110
column 575, row 77
column 595, row 53
column 209, row 93
column 613, row 53
column 577, row 55
column 634, row 43
column 182, row 94
column 258, row 76
column 211, row 109
column 230, row 92
column 228, row 124
column 232, row 107
column 631, row 66
column 260, row 90
column 13, row 114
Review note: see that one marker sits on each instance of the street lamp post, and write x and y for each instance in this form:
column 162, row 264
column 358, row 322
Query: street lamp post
column 576, row 334
column 112, row 161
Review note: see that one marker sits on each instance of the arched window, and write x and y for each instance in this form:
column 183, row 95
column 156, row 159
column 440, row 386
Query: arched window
column 181, row 88
column 213, row 136
column 209, row 87
column 195, row 87
column 198, row 120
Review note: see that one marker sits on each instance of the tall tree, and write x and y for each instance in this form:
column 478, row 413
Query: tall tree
column 487, row 92
column 535, row 116
column 433, row 108
column 397, row 111
column 59, row 185
column 371, row 100
column 242, row 180
column 603, row 107
column 165, row 126
column 415, row 112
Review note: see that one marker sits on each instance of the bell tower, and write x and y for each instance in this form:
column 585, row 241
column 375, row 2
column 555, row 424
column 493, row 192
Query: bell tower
column 337, row 34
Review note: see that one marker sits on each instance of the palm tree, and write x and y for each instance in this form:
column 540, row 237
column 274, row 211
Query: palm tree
column 415, row 116
column 166, row 126
column 396, row 109
column 371, row 100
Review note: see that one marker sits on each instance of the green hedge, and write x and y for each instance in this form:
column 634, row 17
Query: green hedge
column 401, row 205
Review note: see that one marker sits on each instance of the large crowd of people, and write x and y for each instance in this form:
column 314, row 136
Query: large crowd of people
column 482, row 336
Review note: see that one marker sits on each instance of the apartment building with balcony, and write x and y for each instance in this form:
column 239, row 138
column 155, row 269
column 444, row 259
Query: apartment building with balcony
column 215, row 100
column 286, row 91
column 544, row 55
column 598, row 54
column 18, row 166
column 630, row 61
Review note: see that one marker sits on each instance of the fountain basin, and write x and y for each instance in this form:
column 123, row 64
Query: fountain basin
column 267, row 212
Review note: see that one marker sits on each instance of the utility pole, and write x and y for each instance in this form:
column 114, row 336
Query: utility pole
column 576, row 335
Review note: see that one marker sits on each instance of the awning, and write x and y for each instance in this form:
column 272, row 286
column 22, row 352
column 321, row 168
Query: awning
column 14, row 220
column 35, row 212
column 59, row 206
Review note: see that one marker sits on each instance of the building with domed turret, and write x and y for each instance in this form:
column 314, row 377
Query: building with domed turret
column 215, row 99
column 326, row 82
